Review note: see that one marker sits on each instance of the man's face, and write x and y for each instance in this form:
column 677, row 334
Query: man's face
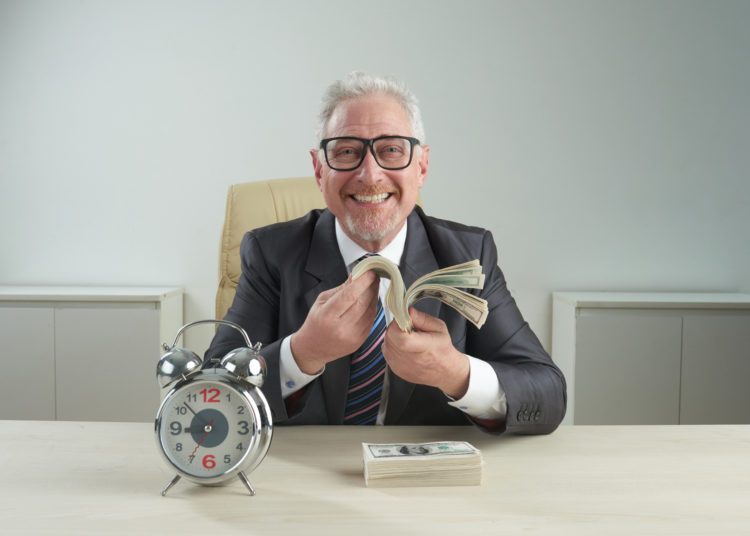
column 370, row 202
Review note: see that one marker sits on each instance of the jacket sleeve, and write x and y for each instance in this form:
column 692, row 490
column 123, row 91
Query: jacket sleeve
column 534, row 386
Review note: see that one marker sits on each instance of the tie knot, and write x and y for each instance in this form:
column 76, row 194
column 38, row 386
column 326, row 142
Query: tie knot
column 366, row 256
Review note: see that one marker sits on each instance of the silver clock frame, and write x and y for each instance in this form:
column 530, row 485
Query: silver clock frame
column 237, row 374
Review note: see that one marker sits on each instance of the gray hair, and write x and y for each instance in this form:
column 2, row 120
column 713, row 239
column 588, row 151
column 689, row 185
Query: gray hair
column 358, row 84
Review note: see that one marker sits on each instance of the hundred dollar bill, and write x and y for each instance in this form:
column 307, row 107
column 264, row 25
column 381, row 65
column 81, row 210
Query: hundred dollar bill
column 444, row 284
column 440, row 448
column 474, row 309
column 442, row 463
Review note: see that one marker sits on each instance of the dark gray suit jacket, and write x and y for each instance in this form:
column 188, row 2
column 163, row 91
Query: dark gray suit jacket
column 286, row 265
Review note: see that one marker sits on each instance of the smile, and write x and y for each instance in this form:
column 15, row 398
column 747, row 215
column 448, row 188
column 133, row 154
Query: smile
column 371, row 198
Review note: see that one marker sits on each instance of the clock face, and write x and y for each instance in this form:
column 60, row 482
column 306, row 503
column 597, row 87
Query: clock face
column 208, row 428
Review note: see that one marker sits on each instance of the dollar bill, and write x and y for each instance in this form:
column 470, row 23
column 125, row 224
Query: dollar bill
column 441, row 448
column 444, row 284
column 442, row 463
column 474, row 309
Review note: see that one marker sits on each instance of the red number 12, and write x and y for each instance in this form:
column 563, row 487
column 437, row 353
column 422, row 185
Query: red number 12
column 213, row 393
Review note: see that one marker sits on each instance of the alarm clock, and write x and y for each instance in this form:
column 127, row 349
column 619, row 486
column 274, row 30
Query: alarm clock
column 214, row 424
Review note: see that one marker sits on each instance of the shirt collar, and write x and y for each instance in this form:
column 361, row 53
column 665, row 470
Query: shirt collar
column 351, row 252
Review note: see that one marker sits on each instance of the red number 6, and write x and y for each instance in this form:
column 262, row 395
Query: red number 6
column 209, row 462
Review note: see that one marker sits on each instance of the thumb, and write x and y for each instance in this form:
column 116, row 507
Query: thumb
column 424, row 322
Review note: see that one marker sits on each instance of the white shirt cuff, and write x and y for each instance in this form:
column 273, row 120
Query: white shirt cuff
column 485, row 398
column 292, row 378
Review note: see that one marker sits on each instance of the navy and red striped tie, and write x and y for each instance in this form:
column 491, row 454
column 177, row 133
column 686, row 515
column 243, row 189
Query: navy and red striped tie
column 366, row 375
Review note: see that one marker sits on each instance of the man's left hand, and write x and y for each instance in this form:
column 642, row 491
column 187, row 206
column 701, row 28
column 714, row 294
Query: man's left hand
column 427, row 355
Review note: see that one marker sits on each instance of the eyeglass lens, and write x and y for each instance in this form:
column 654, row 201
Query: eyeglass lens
column 348, row 153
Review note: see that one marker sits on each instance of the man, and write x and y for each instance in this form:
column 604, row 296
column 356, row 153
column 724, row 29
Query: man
column 315, row 323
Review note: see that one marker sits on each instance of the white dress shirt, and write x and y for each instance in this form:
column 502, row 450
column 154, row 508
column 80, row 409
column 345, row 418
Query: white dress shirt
column 484, row 399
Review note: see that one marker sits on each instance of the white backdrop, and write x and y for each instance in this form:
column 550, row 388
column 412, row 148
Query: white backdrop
column 604, row 143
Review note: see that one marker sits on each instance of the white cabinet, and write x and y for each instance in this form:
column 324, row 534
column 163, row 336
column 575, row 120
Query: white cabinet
column 27, row 361
column 84, row 353
column 653, row 358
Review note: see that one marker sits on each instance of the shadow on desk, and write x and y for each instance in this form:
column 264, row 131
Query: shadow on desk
column 321, row 441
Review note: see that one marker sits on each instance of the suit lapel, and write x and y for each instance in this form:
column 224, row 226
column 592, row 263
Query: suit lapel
column 327, row 269
column 324, row 262
column 417, row 260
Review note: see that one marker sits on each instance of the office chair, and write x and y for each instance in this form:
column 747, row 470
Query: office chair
column 251, row 205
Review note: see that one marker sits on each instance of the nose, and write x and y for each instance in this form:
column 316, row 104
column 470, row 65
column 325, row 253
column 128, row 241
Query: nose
column 369, row 170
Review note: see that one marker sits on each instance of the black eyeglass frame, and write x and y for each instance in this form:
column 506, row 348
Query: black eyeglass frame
column 369, row 143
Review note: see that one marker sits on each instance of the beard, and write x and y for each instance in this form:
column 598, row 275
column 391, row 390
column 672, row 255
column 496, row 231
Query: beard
column 372, row 226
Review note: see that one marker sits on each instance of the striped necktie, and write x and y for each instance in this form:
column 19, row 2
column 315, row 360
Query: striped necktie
column 366, row 375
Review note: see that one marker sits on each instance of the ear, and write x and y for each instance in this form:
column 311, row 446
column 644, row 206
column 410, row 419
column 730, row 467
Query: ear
column 423, row 163
column 317, row 165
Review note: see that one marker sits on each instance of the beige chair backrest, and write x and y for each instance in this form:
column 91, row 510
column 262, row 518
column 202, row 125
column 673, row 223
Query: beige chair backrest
column 254, row 204
column 251, row 205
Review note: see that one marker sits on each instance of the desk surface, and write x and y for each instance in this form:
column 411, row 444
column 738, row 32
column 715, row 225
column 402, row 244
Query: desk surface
column 106, row 478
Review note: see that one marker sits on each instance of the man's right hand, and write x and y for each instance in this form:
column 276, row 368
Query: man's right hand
column 337, row 324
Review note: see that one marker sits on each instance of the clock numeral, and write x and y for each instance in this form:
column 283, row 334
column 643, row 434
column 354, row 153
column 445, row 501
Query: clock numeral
column 181, row 410
column 239, row 447
column 209, row 461
column 211, row 395
column 227, row 459
column 178, row 447
column 229, row 397
column 244, row 428
column 240, row 410
column 175, row 428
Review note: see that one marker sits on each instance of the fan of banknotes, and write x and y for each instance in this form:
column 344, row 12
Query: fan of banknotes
column 446, row 463
column 444, row 284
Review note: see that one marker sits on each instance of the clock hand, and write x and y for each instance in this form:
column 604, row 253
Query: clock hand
column 191, row 409
column 189, row 429
column 205, row 433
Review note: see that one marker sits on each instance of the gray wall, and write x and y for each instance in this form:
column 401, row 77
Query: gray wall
column 605, row 144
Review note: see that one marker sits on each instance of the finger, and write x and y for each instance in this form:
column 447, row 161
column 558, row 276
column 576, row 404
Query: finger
column 374, row 291
column 363, row 311
column 391, row 342
column 401, row 343
column 363, row 281
column 327, row 295
column 324, row 296
column 356, row 296
column 424, row 322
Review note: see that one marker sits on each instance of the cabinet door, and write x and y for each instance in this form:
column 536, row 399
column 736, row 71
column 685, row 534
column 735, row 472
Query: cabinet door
column 106, row 361
column 27, row 381
column 716, row 369
column 627, row 368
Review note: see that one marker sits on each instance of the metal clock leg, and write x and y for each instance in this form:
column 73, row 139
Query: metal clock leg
column 171, row 483
column 245, row 481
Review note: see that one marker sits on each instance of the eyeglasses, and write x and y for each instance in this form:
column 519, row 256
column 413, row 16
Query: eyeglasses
column 346, row 153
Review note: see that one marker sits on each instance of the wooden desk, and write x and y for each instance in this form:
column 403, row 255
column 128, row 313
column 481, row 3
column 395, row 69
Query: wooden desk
column 106, row 478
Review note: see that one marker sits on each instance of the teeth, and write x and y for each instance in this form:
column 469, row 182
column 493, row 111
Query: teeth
column 371, row 198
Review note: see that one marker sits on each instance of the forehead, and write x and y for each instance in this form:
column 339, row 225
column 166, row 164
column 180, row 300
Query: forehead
column 368, row 117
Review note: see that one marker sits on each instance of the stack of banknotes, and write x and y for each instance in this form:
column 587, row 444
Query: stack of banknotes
column 444, row 284
column 446, row 463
